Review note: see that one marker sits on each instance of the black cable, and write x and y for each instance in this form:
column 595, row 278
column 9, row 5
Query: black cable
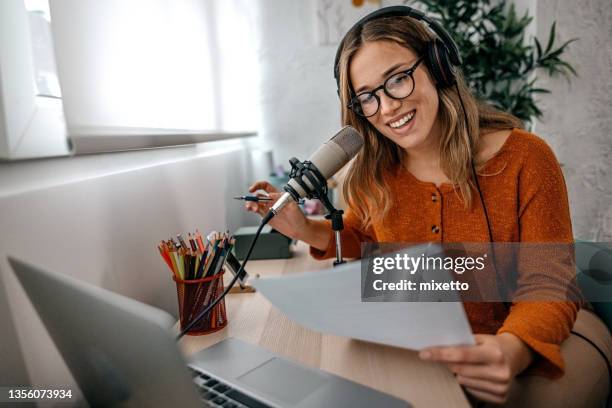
column 204, row 312
column 500, row 287
column 600, row 351
column 501, row 290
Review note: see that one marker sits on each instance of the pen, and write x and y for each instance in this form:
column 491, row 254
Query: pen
column 252, row 198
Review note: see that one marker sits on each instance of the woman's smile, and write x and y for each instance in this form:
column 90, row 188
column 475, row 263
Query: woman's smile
column 404, row 124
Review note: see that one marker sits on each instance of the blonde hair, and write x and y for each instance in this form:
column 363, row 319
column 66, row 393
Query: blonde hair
column 365, row 189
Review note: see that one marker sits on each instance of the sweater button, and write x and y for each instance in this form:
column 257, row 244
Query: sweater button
column 434, row 197
column 435, row 229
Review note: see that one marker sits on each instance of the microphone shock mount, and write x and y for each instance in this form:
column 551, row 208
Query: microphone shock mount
column 319, row 190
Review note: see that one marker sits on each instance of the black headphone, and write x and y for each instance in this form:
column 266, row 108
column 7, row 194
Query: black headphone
column 441, row 53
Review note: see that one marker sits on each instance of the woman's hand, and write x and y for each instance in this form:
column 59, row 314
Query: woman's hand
column 487, row 369
column 291, row 221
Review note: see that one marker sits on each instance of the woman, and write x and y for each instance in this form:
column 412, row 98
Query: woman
column 413, row 181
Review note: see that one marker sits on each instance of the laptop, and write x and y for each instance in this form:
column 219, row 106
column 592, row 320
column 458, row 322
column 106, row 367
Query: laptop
column 123, row 352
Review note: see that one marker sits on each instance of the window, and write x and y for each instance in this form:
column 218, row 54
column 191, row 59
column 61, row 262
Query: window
column 139, row 73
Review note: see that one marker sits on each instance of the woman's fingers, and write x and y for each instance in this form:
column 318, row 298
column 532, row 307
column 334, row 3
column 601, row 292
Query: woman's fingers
column 262, row 207
column 486, row 396
column 483, row 370
column 259, row 207
column 495, row 388
column 499, row 374
column 263, row 185
column 470, row 354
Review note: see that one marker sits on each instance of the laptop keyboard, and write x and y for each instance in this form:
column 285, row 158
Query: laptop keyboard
column 216, row 393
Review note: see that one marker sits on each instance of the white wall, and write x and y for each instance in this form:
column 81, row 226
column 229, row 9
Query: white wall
column 299, row 105
column 577, row 118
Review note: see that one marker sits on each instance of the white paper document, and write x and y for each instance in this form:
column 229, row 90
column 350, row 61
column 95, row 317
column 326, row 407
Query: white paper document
column 329, row 301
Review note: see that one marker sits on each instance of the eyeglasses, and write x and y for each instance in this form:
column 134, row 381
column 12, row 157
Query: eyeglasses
column 397, row 86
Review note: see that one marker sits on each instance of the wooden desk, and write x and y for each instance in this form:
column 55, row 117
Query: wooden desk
column 391, row 370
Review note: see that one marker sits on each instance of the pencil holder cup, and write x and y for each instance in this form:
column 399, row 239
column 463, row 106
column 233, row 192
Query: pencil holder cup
column 196, row 295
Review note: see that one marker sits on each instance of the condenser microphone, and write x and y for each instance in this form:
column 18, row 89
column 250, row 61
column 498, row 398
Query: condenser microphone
column 322, row 165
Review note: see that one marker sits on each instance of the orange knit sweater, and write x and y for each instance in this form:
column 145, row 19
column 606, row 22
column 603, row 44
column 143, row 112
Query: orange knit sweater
column 526, row 199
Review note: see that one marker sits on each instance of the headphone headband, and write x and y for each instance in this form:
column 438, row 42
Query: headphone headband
column 402, row 11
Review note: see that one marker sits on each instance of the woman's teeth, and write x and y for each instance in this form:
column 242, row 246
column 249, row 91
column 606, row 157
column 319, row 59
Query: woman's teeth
column 403, row 121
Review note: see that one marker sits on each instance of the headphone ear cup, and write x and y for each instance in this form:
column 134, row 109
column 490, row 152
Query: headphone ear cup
column 439, row 64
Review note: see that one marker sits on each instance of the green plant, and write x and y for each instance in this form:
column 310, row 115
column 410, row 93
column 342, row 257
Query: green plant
column 498, row 64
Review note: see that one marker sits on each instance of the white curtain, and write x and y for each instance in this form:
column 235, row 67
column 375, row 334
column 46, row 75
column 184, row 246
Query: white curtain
column 179, row 64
